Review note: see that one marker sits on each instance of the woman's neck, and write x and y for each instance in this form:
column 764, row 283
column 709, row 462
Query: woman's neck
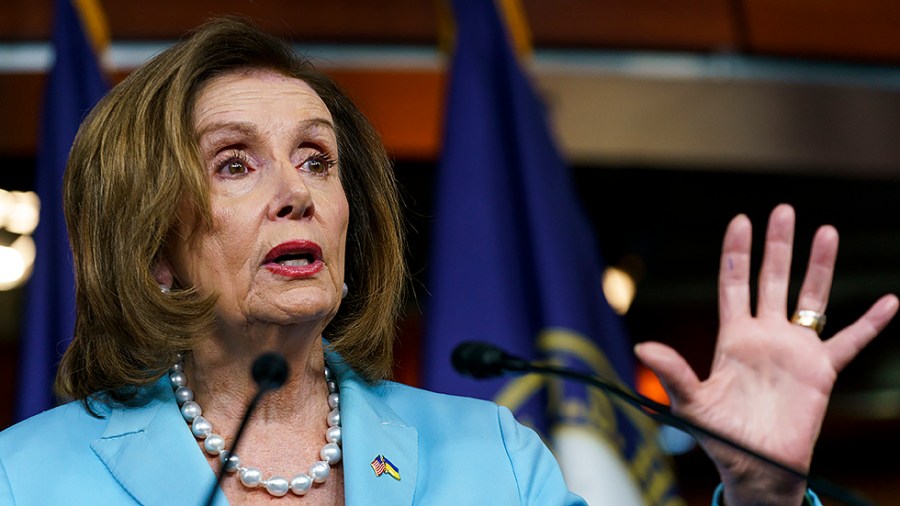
column 219, row 372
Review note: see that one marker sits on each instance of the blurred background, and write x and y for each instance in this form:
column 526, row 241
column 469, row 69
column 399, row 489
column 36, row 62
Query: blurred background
column 675, row 116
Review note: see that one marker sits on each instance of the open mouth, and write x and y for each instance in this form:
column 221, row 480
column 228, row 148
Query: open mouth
column 294, row 254
column 295, row 259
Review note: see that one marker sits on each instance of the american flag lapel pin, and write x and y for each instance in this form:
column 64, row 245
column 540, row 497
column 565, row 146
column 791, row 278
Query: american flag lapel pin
column 382, row 465
column 378, row 465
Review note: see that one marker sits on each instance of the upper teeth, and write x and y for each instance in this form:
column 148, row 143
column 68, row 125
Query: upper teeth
column 298, row 262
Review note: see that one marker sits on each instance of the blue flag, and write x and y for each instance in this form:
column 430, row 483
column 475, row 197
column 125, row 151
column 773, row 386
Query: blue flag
column 514, row 260
column 74, row 85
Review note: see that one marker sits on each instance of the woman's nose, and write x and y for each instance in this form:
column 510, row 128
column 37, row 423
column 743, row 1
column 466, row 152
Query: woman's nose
column 292, row 198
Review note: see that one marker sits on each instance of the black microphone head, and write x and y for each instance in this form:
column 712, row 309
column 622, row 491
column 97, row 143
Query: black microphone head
column 270, row 370
column 479, row 360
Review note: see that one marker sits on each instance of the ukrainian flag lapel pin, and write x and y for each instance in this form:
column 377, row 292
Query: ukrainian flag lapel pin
column 390, row 468
column 382, row 465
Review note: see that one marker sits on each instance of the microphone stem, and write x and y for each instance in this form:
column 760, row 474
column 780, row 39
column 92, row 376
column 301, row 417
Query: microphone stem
column 237, row 438
column 663, row 413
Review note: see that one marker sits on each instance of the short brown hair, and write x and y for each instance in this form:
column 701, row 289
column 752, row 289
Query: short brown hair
column 135, row 163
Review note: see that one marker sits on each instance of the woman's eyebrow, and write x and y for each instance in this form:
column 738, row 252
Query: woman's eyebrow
column 222, row 129
column 314, row 123
column 247, row 129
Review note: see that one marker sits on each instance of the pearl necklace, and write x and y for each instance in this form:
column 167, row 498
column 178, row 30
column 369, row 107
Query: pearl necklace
column 251, row 477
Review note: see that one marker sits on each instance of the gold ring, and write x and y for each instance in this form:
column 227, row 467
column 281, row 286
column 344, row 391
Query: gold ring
column 809, row 319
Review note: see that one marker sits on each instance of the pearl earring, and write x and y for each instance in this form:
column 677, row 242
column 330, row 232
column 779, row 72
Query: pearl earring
column 164, row 289
column 344, row 291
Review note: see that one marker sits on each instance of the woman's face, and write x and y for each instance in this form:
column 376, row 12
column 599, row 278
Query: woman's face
column 275, row 252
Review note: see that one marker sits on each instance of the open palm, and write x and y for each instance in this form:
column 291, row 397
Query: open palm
column 770, row 379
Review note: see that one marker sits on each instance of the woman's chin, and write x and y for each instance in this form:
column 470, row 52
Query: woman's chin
column 285, row 311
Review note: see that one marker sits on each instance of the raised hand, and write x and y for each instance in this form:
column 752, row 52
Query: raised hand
column 770, row 379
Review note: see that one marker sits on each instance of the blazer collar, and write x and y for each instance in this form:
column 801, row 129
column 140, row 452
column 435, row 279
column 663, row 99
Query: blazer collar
column 153, row 455
column 370, row 429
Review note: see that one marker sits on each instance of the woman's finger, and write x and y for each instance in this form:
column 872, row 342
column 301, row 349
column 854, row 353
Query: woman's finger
column 775, row 272
column 847, row 343
column 817, row 283
column 734, row 270
column 676, row 376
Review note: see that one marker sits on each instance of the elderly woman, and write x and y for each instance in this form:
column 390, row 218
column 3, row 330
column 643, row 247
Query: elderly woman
column 226, row 200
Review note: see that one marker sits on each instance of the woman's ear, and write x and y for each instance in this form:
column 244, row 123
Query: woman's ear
column 162, row 273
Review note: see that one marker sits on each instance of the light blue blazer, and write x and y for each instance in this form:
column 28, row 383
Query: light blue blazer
column 449, row 451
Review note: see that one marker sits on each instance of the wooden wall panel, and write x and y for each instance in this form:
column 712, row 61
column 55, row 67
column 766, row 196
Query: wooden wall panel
column 841, row 29
column 20, row 100
column 844, row 29
column 658, row 24
column 405, row 105
column 382, row 21
column 703, row 25
column 25, row 19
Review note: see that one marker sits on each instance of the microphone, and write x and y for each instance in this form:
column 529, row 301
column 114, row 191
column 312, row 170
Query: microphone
column 482, row 360
column 269, row 371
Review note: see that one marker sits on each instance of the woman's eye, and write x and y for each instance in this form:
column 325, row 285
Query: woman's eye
column 318, row 164
column 315, row 166
column 234, row 168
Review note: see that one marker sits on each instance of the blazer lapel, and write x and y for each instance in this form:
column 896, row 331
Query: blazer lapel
column 371, row 429
column 152, row 454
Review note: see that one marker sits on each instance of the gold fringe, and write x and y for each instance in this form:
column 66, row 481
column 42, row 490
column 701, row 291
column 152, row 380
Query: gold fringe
column 446, row 27
column 513, row 14
column 95, row 25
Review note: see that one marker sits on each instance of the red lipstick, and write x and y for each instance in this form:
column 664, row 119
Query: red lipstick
column 294, row 259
